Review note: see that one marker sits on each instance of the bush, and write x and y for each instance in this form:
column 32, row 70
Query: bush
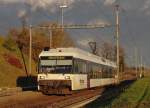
column 13, row 61
column 9, row 44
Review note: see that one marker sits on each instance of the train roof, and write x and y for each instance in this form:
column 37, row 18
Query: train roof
column 78, row 53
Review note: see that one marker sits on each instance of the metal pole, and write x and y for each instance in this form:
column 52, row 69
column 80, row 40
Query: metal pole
column 141, row 66
column 62, row 17
column 117, row 39
column 30, row 51
column 136, row 63
column 62, row 14
column 144, row 69
column 50, row 37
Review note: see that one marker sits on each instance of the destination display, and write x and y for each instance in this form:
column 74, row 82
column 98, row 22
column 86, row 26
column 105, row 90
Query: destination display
column 56, row 58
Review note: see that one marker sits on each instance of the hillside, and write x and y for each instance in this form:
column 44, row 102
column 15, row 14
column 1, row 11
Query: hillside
column 11, row 63
column 16, row 47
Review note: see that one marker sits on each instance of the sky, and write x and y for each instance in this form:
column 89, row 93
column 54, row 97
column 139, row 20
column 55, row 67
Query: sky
column 134, row 21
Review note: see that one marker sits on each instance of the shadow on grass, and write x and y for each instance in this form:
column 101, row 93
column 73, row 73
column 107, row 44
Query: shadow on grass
column 109, row 95
column 27, row 83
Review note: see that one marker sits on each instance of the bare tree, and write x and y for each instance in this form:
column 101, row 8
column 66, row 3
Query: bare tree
column 40, row 39
column 108, row 51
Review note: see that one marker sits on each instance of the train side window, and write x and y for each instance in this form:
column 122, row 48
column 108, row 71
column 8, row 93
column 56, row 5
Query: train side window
column 110, row 73
column 76, row 69
column 79, row 66
column 100, row 71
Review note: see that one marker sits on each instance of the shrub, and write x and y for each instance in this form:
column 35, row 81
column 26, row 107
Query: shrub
column 13, row 61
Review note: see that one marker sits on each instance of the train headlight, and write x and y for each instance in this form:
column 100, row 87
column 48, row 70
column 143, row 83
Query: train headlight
column 42, row 77
column 67, row 77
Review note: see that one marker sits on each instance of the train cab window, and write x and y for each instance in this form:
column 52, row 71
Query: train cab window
column 46, row 69
column 63, row 69
column 55, row 64
column 56, row 69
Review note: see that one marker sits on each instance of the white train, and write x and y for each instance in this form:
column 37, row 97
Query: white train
column 62, row 70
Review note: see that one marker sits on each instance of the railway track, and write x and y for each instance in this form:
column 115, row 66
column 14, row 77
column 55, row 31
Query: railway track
column 78, row 98
column 53, row 101
column 9, row 91
column 57, row 101
column 5, row 91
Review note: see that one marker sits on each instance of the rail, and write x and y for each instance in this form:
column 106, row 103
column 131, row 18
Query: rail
column 6, row 91
column 68, row 101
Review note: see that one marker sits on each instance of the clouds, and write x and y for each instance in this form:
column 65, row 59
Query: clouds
column 98, row 22
column 44, row 4
column 83, row 42
column 52, row 5
column 33, row 3
column 146, row 7
column 11, row 1
column 109, row 2
column 22, row 13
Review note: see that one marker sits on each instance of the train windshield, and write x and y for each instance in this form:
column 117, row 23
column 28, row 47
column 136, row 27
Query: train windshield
column 55, row 64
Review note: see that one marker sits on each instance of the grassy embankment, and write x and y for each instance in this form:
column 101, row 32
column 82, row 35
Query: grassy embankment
column 137, row 96
column 9, row 73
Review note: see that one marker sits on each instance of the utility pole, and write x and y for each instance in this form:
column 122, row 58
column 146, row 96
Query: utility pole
column 62, row 14
column 30, row 51
column 141, row 67
column 50, row 37
column 136, row 62
column 144, row 68
column 117, row 39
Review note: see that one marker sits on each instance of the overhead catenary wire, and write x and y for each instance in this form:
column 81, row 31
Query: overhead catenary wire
column 72, row 26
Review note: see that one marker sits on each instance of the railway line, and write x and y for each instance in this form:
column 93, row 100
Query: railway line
column 6, row 91
column 9, row 91
column 38, row 100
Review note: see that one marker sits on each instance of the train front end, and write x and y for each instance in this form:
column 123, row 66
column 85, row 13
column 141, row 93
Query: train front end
column 54, row 84
column 56, row 75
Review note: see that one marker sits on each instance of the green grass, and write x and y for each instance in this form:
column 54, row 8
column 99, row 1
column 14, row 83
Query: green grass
column 138, row 93
column 10, row 73
column 136, row 96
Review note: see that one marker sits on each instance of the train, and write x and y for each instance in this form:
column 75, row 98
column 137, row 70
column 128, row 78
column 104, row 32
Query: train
column 65, row 70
